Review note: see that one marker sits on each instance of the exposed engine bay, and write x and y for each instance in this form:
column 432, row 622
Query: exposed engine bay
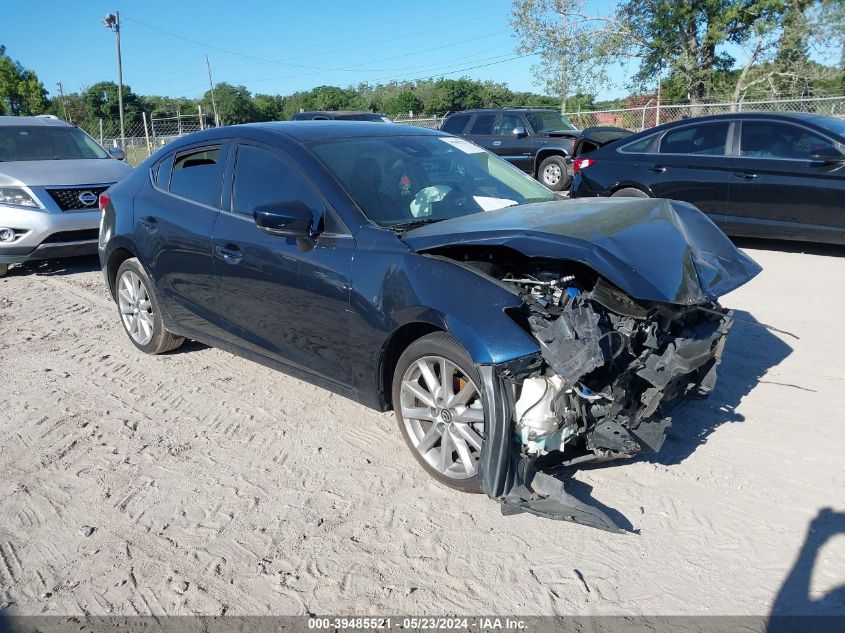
column 613, row 368
column 610, row 373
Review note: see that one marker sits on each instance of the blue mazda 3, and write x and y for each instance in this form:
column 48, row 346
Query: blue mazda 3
column 407, row 269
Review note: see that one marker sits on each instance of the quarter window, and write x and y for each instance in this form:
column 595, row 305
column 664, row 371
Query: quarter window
column 770, row 139
column 642, row 146
column 483, row 124
column 196, row 175
column 707, row 139
column 455, row 124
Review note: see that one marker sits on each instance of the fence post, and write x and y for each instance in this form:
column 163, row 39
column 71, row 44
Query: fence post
column 199, row 112
column 178, row 122
column 101, row 131
column 642, row 124
column 147, row 135
column 153, row 128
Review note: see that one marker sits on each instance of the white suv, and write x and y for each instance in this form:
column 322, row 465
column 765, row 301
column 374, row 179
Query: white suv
column 51, row 176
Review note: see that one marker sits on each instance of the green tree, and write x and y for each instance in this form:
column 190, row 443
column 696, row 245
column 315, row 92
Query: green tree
column 234, row 104
column 269, row 107
column 101, row 102
column 21, row 93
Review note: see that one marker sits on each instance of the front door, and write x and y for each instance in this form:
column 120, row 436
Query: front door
column 776, row 187
column 517, row 149
column 282, row 297
column 692, row 165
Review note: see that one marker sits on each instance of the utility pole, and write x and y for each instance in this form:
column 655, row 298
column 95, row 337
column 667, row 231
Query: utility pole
column 112, row 22
column 64, row 105
column 211, row 86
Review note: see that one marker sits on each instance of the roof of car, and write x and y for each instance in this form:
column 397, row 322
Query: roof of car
column 45, row 119
column 477, row 110
column 323, row 130
column 338, row 112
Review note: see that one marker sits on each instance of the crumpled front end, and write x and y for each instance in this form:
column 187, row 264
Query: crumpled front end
column 609, row 375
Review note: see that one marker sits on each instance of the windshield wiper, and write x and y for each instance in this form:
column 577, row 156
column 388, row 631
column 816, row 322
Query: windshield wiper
column 413, row 224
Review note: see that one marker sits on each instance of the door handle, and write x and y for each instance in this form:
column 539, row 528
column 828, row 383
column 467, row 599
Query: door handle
column 745, row 175
column 657, row 169
column 149, row 223
column 230, row 253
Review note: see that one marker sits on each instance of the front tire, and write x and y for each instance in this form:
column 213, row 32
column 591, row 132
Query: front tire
column 553, row 173
column 439, row 409
column 140, row 312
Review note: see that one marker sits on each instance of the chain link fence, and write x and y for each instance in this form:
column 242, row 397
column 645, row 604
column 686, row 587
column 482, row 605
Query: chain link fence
column 652, row 113
column 431, row 122
column 147, row 135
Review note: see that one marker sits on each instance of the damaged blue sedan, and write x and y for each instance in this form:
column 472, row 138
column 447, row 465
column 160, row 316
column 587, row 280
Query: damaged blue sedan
column 512, row 332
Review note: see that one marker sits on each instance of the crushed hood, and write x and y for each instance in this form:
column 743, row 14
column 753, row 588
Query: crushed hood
column 654, row 250
column 54, row 173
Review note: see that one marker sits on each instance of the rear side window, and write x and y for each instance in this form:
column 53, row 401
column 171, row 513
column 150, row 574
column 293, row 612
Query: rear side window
column 706, row 139
column 483, row 124
column 455, row 124
column 642, row 146
column 771, row 139
column 196, row 175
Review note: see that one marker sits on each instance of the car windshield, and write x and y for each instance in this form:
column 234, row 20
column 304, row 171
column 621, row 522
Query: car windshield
column 548, row 121
column 831, row 124
column 407, row 180
column 35, row 142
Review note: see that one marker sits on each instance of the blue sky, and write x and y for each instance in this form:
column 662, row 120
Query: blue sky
column 270, row 47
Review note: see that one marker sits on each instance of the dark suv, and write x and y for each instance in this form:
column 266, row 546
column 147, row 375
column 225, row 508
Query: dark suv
column 539, row 142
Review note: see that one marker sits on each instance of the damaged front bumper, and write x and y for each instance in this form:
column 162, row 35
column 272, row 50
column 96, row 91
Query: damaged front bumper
column 661, row 359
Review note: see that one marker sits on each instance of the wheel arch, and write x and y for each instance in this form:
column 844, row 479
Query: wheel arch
column 630, row 185
column 544, row 153
column 396, row 343
column 116, row 257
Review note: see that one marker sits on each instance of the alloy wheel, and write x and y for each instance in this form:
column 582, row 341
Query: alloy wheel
column 136, row 309
column 443, row 415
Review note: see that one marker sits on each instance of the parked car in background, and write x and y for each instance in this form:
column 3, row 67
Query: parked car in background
column 411, row 270
column 754, row 174
column 51, row 174
column 539, row 142
column 329, row 115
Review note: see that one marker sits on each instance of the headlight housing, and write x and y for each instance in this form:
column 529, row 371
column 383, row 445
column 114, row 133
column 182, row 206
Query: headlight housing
column 18, row 197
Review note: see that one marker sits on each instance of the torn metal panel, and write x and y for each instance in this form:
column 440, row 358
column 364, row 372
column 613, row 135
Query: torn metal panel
column 653, row 250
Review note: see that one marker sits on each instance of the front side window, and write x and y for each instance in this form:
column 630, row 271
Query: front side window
column 483, row 124
column 455, row 124
column 509, row 123
column 197, row 175
column 707, row 139
column 36, row 142
column 264, row 179
column 545, row 122
column 398, row 180
column 771, row 139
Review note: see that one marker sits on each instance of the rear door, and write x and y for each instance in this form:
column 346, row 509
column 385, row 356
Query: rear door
column 692, row 164
column 174, row 220
column 517, row 149
column 282, row 297
column 480, row 130
column 777, row 189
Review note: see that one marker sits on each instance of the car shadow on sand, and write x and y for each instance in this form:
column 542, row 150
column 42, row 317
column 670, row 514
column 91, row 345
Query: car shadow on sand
column 56, row 267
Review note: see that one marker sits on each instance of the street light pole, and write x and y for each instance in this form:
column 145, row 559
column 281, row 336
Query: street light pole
column 112, row 22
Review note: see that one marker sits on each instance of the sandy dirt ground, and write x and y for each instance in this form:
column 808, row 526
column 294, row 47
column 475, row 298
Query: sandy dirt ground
column 198, row 482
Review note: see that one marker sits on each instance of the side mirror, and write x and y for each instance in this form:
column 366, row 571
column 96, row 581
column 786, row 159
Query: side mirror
column 117, row 152
column 519, row 131
column 287, row 219
column 827, row 155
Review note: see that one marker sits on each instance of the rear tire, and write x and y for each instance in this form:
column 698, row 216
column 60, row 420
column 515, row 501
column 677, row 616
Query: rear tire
column 140, row 312
column 439, row 409
column 553, row 173
column 629, row 192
